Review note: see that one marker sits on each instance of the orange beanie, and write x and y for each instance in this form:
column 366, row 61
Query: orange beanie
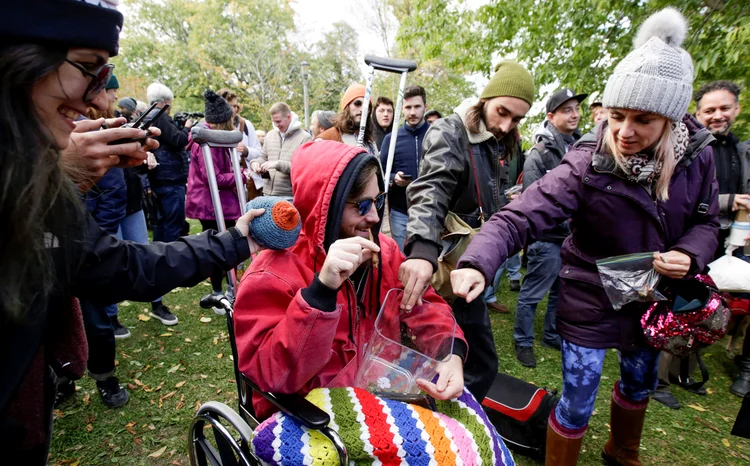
column 353, row 92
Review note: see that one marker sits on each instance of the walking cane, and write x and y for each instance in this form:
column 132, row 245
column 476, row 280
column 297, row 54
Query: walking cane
column 208, row 138
column 389, row 65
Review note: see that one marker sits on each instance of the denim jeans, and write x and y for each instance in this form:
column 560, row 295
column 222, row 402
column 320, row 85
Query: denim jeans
column 101, row 340
column 541, row 277
column 170, row 212
column 133, row 228
column 582, row 371
column 398, row 227
column 513, row 266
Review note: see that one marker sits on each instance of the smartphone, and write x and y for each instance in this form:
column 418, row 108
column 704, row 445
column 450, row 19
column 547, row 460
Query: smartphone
column 406, row 177
column 140, row 123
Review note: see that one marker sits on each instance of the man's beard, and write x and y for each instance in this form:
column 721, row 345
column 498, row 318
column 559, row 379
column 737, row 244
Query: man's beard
column 721, row 132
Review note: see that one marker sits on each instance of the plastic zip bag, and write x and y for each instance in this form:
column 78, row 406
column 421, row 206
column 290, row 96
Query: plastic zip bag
column 630, row 278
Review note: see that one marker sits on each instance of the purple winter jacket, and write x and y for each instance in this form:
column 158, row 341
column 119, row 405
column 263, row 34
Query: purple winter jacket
column 609, row 216
column 198, row 203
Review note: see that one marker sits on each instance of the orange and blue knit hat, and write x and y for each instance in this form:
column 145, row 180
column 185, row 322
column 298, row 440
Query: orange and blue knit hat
column 279, row 226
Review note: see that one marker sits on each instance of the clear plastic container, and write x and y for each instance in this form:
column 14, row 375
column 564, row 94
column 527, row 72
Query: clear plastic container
column 405, row 346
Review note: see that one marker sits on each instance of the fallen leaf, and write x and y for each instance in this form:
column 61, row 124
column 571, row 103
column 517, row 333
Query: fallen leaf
column 709, row 391
column 168, row 395
column 59, row 413
column 203, row 376
column 698, row 408
column 137, row 441
column 90, row 418
column 725, row 442
column 188, row 340
column 89, row 428
column 158, row 452
column 180, row 384
column 220, row 355
column 86, row 399
column 177, row 308
column 130, row 430
column 165, row 335
column 138, row 382
column 144, row 317
column 707, row 424
column 218, row 391
column 124, row 303
column 173, row 368
column 726, row 419
column 205, row 320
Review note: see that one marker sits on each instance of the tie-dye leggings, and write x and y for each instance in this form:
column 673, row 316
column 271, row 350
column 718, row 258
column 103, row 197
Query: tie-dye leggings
column 582, row 371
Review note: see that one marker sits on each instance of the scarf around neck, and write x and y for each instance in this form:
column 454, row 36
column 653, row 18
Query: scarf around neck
column 643, row 169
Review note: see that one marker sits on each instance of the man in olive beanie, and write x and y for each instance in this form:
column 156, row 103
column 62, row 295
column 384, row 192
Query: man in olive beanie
column 465, row 171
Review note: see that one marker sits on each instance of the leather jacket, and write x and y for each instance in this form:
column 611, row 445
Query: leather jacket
column 446, row 183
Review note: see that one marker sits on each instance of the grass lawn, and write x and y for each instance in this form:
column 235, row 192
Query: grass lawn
column 170, row 371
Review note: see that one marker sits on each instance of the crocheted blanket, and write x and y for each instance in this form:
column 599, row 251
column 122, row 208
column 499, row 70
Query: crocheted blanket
column 378, row 431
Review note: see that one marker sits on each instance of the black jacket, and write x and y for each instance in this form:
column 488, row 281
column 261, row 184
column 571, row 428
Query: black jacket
column 172, row 157
column 108, row 271
column 446, row 183
column 726, row 196
column 407, row 158
column 545, row 156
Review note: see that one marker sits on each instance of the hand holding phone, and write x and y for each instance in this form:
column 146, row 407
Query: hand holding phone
column 141, row 123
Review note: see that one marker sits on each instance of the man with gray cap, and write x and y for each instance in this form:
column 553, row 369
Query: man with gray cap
column 552, row 141
column 127, row 108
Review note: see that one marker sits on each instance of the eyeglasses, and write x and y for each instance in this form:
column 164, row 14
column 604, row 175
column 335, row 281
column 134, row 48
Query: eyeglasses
column 365, row 205
column 98, row 80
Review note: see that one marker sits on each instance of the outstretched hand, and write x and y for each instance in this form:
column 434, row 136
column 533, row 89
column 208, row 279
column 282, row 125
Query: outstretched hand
column 467, row 283
column 450, row 383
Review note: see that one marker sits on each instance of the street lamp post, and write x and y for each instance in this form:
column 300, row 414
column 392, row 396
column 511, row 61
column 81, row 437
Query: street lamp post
column 305, row 66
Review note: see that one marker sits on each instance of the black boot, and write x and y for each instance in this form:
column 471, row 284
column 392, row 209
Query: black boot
column 741, row 385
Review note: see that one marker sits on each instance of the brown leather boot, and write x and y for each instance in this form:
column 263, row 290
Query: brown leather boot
column 562, row 450
column 626, row 426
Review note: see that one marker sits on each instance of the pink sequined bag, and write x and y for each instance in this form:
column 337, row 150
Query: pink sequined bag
column 694, row 316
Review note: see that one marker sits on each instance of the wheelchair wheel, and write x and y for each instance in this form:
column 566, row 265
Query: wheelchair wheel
column 221, row 447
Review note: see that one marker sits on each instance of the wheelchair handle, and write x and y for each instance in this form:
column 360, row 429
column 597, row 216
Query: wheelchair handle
column 220, row 301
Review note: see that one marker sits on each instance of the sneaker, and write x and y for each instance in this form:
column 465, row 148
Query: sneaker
column 497, row 307
column 113, row 394
column 120, row 330
column 515, row 285
column 162, row 313
column 525, row 355
column 666, row 398
column 552, row 344
column 64, row 391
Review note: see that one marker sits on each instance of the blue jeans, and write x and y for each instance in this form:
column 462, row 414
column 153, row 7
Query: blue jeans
column 133, row 228
column 513, row 266
column 170, row 212
column 541, row 277
column 398, row 227
column 582, row 371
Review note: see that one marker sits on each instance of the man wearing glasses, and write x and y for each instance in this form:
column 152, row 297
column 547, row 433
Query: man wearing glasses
column 346, row 127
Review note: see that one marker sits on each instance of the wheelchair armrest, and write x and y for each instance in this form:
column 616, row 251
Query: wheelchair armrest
column 214, row 407
column 295, row 406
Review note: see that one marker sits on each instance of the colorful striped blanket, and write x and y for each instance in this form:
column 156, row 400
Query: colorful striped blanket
column 379, row 431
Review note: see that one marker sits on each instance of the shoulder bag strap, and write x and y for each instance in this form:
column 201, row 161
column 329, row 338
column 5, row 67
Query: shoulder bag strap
column 476, row 185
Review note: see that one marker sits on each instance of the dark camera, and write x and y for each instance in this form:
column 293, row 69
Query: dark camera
column 180, row 118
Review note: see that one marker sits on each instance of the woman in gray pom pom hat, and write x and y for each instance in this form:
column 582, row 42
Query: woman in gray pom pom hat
column 642, row 182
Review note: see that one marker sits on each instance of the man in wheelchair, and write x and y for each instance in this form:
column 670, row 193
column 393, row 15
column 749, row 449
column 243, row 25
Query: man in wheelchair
column 303, row 315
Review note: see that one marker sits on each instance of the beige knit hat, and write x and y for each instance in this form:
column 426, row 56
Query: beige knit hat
column 657, row 76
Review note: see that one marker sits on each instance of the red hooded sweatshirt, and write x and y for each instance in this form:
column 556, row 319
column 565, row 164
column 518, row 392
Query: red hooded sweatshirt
column 285, row 343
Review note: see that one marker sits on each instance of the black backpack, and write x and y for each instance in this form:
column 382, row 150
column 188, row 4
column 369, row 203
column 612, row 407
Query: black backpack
column 519, row 411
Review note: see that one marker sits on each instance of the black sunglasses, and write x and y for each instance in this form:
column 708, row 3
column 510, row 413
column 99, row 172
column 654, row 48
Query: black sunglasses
column 365, row 205
column 357, row 103
column 98, row 80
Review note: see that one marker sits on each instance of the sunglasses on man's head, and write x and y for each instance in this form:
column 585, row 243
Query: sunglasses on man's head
column 98, row 80
column 365, row 205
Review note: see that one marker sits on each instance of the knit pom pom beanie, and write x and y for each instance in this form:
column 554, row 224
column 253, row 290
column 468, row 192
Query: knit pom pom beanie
column 279, row 226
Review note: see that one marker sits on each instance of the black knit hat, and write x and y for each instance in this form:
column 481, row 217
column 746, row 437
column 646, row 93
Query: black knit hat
column 217, row 109
column 67, row 23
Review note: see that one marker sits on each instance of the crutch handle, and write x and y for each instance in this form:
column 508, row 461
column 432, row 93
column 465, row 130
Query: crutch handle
column 392, row 65
column 215, row 137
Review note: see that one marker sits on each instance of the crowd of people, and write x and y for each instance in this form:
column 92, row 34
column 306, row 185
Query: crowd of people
column 81, row 189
